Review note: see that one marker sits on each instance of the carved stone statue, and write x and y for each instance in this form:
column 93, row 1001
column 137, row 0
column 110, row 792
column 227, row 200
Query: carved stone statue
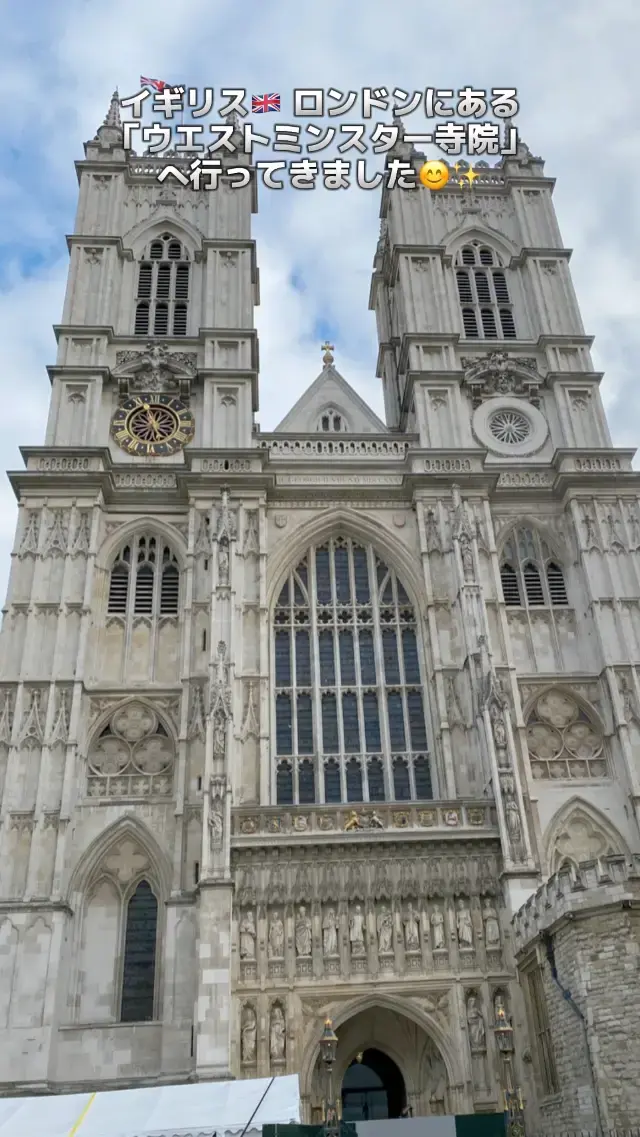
column 216, row 805
column 491, row 925
column 411, row 929
column 275, row 948
column 384, row 924
column 499, row 729
column 277, row 1034
column 464, row 925
column 248, row 937
column 437, row 928
column 223, row 564
column 466, row 554
column 330, row 933
column 513, row 820
column 248, row 1035
column 219, row 734
column 356, row 931
column 303, row 934
column 431, row 532
column 475, row 1023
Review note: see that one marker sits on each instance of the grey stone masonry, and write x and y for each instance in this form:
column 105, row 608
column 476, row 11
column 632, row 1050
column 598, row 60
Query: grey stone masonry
column 582, row 931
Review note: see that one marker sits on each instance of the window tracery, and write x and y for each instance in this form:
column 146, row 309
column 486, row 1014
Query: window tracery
column 133, row 756
column 350, row 722
column 563, row 741
column 530, row 574
column 483, row 292
column 145, row 580
column 162, row 294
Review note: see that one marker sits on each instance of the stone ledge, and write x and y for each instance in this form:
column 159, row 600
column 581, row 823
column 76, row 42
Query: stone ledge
column 577, row 892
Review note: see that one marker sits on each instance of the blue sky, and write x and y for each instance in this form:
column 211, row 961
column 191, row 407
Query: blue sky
column 574, row 66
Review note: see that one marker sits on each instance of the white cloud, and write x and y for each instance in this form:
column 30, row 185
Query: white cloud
column 573, row 66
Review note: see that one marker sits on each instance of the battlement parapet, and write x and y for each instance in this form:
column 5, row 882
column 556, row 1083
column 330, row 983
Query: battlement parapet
column 573, row 892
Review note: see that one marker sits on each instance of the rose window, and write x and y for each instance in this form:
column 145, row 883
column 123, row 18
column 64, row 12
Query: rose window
column 562, row 741
column 510, row 427
column 132, row 757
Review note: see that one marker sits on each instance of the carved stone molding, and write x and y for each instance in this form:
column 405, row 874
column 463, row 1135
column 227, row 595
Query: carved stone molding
column 498, row 373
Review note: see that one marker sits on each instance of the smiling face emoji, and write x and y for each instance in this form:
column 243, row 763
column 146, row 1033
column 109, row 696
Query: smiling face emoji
column 434, row 175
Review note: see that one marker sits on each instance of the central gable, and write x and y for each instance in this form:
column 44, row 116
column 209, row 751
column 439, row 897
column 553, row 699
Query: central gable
column 331, row 405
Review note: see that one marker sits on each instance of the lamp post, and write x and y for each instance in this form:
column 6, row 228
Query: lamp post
column 513, row 1104
column 328, row 1049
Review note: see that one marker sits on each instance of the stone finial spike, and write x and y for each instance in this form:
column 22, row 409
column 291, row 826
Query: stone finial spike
column 327, row 358
column 112, row 117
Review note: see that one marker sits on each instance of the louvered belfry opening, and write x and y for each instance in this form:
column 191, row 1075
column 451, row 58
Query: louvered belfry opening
column 530, row 574
column 163, row 289
column 350, row 719
column 485, row 303
column 144, row 580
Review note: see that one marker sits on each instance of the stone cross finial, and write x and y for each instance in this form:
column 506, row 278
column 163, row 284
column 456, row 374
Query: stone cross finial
column 327, row 358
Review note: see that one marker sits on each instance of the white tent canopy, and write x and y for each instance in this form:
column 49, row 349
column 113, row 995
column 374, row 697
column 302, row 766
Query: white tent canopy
column 198, row 1110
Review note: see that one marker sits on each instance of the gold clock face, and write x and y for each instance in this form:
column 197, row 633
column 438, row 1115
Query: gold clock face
column 152, row 426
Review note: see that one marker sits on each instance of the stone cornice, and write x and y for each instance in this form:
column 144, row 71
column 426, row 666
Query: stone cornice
column 527, row 254
column 15, row 907
column 98, row 241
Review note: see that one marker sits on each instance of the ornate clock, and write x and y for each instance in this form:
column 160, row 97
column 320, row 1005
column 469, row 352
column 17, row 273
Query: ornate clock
column 152, row 425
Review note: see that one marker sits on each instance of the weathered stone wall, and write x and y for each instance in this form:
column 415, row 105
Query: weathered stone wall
column 591, row 920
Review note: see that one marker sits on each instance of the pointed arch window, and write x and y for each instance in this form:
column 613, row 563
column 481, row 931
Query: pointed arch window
column 162, row 296
column 483, row 293
column 144, row 580
column 350, row 719
column 331, row 421
column 530, row 573
column 139, row 962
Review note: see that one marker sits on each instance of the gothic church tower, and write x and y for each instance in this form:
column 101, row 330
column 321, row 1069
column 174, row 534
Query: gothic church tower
column 292, row 724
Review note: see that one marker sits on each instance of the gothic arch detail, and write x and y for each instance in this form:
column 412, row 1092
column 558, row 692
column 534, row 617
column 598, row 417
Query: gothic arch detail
column 426, row 1045
column 131, row 754
column 141, row 235
column 579, row 832
column 565, row 738
column 350, row 720
column 117, row 892
column 331, row 420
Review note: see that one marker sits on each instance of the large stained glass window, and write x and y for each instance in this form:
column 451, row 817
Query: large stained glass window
column 350, row 721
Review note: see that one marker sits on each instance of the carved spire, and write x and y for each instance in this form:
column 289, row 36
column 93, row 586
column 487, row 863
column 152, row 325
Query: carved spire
column 327, row 358
column 112, row 117
column 110, row 133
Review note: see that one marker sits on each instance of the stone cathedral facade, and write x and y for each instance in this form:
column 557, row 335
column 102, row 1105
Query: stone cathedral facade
column 293, row 724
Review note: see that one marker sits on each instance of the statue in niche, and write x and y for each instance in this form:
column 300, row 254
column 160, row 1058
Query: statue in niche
column 513, row 820
column 466, row 554
column 277, row 1034
column 475, row 1023
column 411, row 929
column 384, row 925
column 464, row 925
column 431, row 532
column 223, row 563
column 216, row 806
column 491, row 925
column 436, row 1082
column 356, row 931
column 248, row 1035
column 499, row 729
column 248, row 937
column 275, row 949
column 219, row 733
column 437, row 928
column 303, row 934
column 330, row 933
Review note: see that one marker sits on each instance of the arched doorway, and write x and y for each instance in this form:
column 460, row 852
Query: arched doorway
column 373, row 1088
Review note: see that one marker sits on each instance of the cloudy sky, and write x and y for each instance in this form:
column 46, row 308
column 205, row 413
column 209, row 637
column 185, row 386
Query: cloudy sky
column 574, row 65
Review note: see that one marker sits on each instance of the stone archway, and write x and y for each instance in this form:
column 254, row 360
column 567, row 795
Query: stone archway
column 400, row 1066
